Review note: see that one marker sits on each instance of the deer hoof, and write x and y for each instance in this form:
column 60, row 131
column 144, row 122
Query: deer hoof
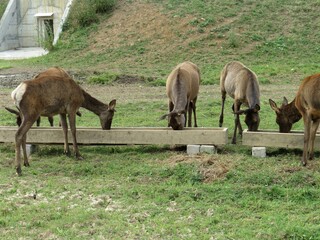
column 79, row 157
column 18, row 171
column 26, row 164
column 67, row 153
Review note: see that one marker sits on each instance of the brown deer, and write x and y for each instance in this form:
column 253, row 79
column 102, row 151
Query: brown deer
column 308, row 103
column 240, row 83
column 287, row 114
column 182, row 89
column 49, row 96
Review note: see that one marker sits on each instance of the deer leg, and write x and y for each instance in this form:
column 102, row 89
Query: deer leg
column 64, row 124
column 239, row 122
column 236, row 107
column 314, row 127
column 194, row 112
column 170, row 106
column 24, row 150
column 189, row 107
column 306, row 139
column 38, row 121
column 223, row 98
column 20, row 139
column 50, row 119
column 72, row 122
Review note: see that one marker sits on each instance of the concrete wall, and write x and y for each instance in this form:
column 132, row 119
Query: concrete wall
column 19, row 24
column 9, row 27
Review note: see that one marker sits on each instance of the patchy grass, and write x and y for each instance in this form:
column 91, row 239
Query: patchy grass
column 151, row 42
column 153, row 192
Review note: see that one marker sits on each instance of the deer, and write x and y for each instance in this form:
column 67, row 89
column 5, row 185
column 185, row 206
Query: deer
column 286, row 115
column 51, row 95
column 182, row 88
column 307, row 102
column 241, row 84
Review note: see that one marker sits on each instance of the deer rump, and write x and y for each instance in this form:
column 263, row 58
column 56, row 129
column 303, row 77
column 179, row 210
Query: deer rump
column 182, row 88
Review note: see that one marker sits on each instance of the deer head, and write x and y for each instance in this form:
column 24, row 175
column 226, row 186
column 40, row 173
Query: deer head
column 106, row 116
column 282, row 118
column 252, row 118
column 176, row 120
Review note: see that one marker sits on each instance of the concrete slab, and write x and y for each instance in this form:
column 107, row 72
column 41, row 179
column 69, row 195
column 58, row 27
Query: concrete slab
column 22, row 53
column 259, row 152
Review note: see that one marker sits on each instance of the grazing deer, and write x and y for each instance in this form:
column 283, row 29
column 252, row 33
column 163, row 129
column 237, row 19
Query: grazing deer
column 308, row 103
column 51, row 95
column 182, row 89
column 242, row 85
column 287, row 114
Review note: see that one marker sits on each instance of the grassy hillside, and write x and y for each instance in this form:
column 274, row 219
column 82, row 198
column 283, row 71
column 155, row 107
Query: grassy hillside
column 277, row 39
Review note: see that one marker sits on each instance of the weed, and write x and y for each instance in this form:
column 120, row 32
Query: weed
column 104, row 78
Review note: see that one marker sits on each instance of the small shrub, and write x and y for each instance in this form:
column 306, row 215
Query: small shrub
column 103, row 6
column 103, row 78
column 87, row 16
column 233, row 41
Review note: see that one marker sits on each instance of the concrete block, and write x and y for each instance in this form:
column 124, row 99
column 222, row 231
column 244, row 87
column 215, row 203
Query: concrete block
column 208, row 149
column 31, row 148
column 193, row 149
column 259, row 152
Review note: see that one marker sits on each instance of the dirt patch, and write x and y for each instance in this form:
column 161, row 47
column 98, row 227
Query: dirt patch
column 211, row 167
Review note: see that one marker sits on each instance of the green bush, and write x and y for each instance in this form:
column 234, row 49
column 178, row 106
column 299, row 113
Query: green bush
column 104, row 78
column 84, row 12
column 103, row 6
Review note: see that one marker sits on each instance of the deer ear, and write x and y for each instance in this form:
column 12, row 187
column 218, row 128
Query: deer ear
column 257, row 108
column 273, row 105
column 242, row 112
column 12, row 111
column 164, row 116
column 112, row 104
column 285, row 101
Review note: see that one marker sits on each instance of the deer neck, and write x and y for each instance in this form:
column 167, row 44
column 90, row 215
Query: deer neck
column 92, row 104
column 292, row 112
column 180, row 96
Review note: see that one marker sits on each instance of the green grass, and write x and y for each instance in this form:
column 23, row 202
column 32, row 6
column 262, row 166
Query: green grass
column 132, row 192
column 3, row 5
column 153, row 192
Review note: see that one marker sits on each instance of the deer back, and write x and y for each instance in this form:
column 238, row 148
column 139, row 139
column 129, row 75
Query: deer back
column 184, row 81
column 48, row 95
column 308, row 97
column 53, row 71
column 241, row 84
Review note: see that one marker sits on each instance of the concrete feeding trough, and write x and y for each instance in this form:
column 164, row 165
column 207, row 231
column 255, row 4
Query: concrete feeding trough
column 118, row 136
column 269, row 138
